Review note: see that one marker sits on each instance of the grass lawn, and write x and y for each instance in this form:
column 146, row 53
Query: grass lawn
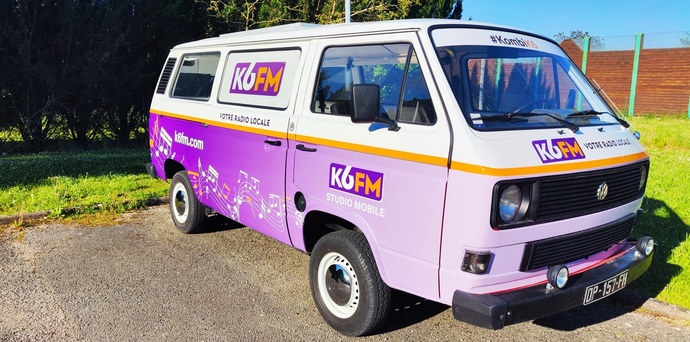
column 94, row 181
column 116, row 181
column 666, row 214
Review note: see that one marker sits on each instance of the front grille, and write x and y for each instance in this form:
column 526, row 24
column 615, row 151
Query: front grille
column 566, row 248
column 573, row 195
column 561, row 197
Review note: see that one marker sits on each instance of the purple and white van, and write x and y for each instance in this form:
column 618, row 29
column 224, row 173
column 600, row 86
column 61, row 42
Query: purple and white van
column 469, row 164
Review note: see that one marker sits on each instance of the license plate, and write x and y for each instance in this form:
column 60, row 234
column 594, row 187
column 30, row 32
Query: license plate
column 605, row 288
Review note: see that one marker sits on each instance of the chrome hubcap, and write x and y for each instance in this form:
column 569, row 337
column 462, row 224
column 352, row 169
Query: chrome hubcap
column 180, row 203
column 338, row 284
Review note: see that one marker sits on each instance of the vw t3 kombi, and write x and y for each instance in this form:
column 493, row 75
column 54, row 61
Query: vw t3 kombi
column 469, row 164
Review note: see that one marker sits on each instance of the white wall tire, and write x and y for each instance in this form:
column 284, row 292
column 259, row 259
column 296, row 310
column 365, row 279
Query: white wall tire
column 346, row 286
column 186, row 210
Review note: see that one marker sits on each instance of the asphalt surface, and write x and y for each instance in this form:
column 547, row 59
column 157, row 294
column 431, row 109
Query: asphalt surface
column 141, row 280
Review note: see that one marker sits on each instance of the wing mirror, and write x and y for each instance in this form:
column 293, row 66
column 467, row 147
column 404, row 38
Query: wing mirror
column 365, row 106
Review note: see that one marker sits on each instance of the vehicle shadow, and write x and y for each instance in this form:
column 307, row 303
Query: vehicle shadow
column 408, row 310
column 669, row 231
column 219, row 223
column 606, row 309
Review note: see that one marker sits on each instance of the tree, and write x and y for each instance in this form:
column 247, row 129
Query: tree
column 128, row 49
column 31, row 67
column 686, row 40
column 240, row 15
column 448, row 9
column 595, row 42
column 86, row 68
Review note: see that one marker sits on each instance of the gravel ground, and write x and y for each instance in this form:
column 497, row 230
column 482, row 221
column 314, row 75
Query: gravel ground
column 141, row 280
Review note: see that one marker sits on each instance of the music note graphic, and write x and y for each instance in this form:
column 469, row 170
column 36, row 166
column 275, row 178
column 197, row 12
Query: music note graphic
column 166, row 147
column 212, row 177
column 273, row 203
column 243, row 175
column 226, row 191
column 263, row 210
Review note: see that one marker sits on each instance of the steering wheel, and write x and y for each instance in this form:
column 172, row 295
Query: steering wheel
column 535, row 102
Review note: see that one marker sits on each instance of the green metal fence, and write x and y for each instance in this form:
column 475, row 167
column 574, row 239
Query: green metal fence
column 640, row 73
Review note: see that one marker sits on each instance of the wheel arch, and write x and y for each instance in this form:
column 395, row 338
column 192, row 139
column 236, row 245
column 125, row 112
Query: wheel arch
column 318, row 223
column 171, row 167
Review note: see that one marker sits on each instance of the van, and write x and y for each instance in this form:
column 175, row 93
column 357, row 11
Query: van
column 468, row 164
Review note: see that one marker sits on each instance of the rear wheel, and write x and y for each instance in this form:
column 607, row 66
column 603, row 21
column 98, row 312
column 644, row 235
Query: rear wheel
column 346, row 285
column 186, row 210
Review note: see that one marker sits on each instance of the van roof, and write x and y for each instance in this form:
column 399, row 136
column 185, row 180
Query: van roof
column 305, row 30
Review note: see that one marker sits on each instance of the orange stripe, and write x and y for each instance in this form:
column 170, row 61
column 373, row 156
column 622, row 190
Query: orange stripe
column 551, row 168
column 270, row 133
column 431, row 160
column 414, row 157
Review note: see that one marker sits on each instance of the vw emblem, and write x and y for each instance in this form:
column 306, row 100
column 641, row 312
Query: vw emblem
column 602, row 191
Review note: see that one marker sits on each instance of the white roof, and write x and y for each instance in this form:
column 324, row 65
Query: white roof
column 302, row 30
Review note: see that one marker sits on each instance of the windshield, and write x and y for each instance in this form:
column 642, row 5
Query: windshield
column 521, row 86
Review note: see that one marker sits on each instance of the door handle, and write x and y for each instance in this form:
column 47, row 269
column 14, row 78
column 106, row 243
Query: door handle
column 305, row 149
column 273, row 142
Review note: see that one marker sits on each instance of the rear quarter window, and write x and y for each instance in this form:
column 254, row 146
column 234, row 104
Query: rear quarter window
column 195, row 76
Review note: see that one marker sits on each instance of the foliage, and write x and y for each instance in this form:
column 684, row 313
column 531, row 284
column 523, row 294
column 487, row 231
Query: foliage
column 685, row 41
column 86, row 68
column 595, row 42
column 248, row 14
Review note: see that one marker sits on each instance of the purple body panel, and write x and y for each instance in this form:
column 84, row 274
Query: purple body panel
column 403, row 227
column 236, row 173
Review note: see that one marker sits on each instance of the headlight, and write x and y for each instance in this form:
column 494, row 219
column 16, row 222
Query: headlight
column 509, row 203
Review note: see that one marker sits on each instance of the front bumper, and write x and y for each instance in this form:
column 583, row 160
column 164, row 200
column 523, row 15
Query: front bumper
column 494, row 311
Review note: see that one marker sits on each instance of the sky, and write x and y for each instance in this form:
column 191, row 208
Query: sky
column 598, row 17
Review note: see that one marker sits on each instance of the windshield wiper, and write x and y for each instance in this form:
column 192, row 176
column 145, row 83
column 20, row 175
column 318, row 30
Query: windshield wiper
column 508, row 116
column 590, row 112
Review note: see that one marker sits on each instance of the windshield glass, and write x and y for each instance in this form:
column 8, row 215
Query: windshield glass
column 519, row 82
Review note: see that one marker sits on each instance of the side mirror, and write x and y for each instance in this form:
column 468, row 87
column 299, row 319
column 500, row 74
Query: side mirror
column 365, row 103
column 365, row 106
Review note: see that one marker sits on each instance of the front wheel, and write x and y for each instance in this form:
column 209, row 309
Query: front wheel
column 186, row 210
column 346, row 284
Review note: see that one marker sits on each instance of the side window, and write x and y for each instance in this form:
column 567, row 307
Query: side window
column 416, row 103
column 195, row 77
column 394, row 67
